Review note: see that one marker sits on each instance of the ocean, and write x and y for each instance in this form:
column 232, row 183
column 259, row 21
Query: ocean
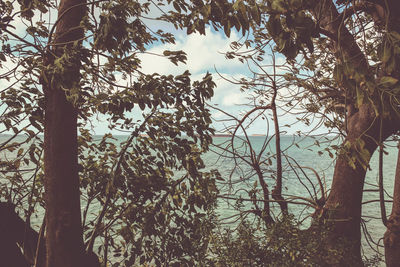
column 313, row 153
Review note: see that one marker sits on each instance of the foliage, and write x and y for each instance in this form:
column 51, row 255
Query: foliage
column 337, row 76
column 281, row 244
column 146, row 198
column 153, row 199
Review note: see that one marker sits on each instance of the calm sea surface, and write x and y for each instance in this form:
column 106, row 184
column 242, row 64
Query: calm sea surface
column 307, row 153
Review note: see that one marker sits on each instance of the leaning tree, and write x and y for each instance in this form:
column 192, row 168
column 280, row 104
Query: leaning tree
column 345, row 57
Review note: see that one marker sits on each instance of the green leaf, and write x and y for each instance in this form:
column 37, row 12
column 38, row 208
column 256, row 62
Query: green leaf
column 242, row 9
column 365, row 155
column 20, row 151
column 207, row 11
column 278, row 6
column 176, row 6
column 388, row 81
column 255, row 13
column 227, row 28
column 235, row 6
column 141, row 104
column 234, row 20
column 360, row 96
column 387, row 53
column 274, row 26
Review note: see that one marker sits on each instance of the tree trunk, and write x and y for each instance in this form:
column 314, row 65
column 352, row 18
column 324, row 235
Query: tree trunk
column 343, row 205
column 391, row 239
column 344, row 201
column 64, row 243
column 64, row 232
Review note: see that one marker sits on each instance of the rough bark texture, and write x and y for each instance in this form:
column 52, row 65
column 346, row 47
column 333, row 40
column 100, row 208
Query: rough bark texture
column 386, row 14
column 344, row 201
column 391, row 238
column 64, row 244
column 63, row 233
column 343, row 205
column 277, row 191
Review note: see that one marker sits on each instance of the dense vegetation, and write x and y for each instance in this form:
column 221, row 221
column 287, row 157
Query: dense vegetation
column 152, row 200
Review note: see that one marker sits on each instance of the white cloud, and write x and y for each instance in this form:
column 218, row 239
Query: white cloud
column 204, row 53
column 227, row 93
column 234, row 99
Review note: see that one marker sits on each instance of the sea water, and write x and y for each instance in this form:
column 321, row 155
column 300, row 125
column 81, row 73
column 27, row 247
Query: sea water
column 309, row 152
column 316, row 153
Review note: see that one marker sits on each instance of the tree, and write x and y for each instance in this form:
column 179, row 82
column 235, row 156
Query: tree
column 257, row 168
column 63, row 74
column 154, row 182
column 351, row 50
column 64, row 242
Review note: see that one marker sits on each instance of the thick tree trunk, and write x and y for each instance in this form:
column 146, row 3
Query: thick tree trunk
column 343, row 205
column 344, row 201
column 391, row 238
column 64, row 243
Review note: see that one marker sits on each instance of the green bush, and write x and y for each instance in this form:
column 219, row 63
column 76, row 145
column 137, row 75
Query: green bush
column 282, row 243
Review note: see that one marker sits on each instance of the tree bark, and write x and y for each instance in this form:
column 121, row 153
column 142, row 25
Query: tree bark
column 277, row 191
column 344, row 201
column 391, row 238
column 343, row 205
column 64, row 242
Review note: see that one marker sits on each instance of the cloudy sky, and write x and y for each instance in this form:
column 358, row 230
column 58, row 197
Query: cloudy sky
column 205, row 53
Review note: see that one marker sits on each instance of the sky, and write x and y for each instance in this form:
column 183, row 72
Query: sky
column 205, row 53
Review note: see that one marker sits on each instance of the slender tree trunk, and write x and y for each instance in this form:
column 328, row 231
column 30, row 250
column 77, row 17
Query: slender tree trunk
column 64, row 243
column 63, row 233
column 277, row 191
column 391, row 238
